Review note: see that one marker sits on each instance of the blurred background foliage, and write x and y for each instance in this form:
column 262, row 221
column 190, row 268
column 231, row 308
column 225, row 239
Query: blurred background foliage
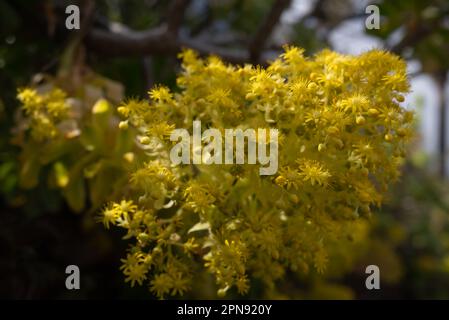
column 45, row 226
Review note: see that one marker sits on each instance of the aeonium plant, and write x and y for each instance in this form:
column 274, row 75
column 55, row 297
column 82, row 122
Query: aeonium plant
column 69, row 139
column 341, row 137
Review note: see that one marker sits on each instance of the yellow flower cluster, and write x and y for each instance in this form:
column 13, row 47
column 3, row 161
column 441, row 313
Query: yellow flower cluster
column 342, row 134
column 44, row 110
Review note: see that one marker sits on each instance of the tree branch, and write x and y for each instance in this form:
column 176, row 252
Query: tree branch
column 119, row 40
column 126, row 42
column 176, row 15
column 123, row 41
column 236, row 56
column 266, row 28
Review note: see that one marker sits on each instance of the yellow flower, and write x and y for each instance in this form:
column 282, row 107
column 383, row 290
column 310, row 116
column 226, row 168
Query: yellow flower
column 199, row 197
column 161, row 285
column 125, row 207
column 45, row 111
column 133, row 106
column 320, row 261
column 293, row 55
column 136, row 273
column 109, row 217
column 29, row 98
column 180, row 284
column 289, row 178
column 242, row 284
column 313, row 172
column 356, row 103
column 161, row 130
column 160, row 94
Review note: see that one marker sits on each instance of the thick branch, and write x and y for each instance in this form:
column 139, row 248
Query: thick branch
column 236, row 56
column 119, row 40
column 126, row 42
column 122, row 41
column 266, row 28
column 176, row 15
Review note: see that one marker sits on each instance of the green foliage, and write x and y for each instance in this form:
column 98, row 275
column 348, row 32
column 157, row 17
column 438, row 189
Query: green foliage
column 73, row 142
column 415, row 225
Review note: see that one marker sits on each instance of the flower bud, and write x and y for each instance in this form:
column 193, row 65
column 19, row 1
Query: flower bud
column 145, row 140
column 123, row 125
column 360, row 120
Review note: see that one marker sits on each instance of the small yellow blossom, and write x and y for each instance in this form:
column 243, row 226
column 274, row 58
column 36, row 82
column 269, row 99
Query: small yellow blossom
column 313, row 172
column 160, row 94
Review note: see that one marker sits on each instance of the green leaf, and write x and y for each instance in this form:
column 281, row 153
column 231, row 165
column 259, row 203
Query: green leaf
column 200, row 226
column 61, row 174
column 75, row 194
column 103, row 184
column 29, row 173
